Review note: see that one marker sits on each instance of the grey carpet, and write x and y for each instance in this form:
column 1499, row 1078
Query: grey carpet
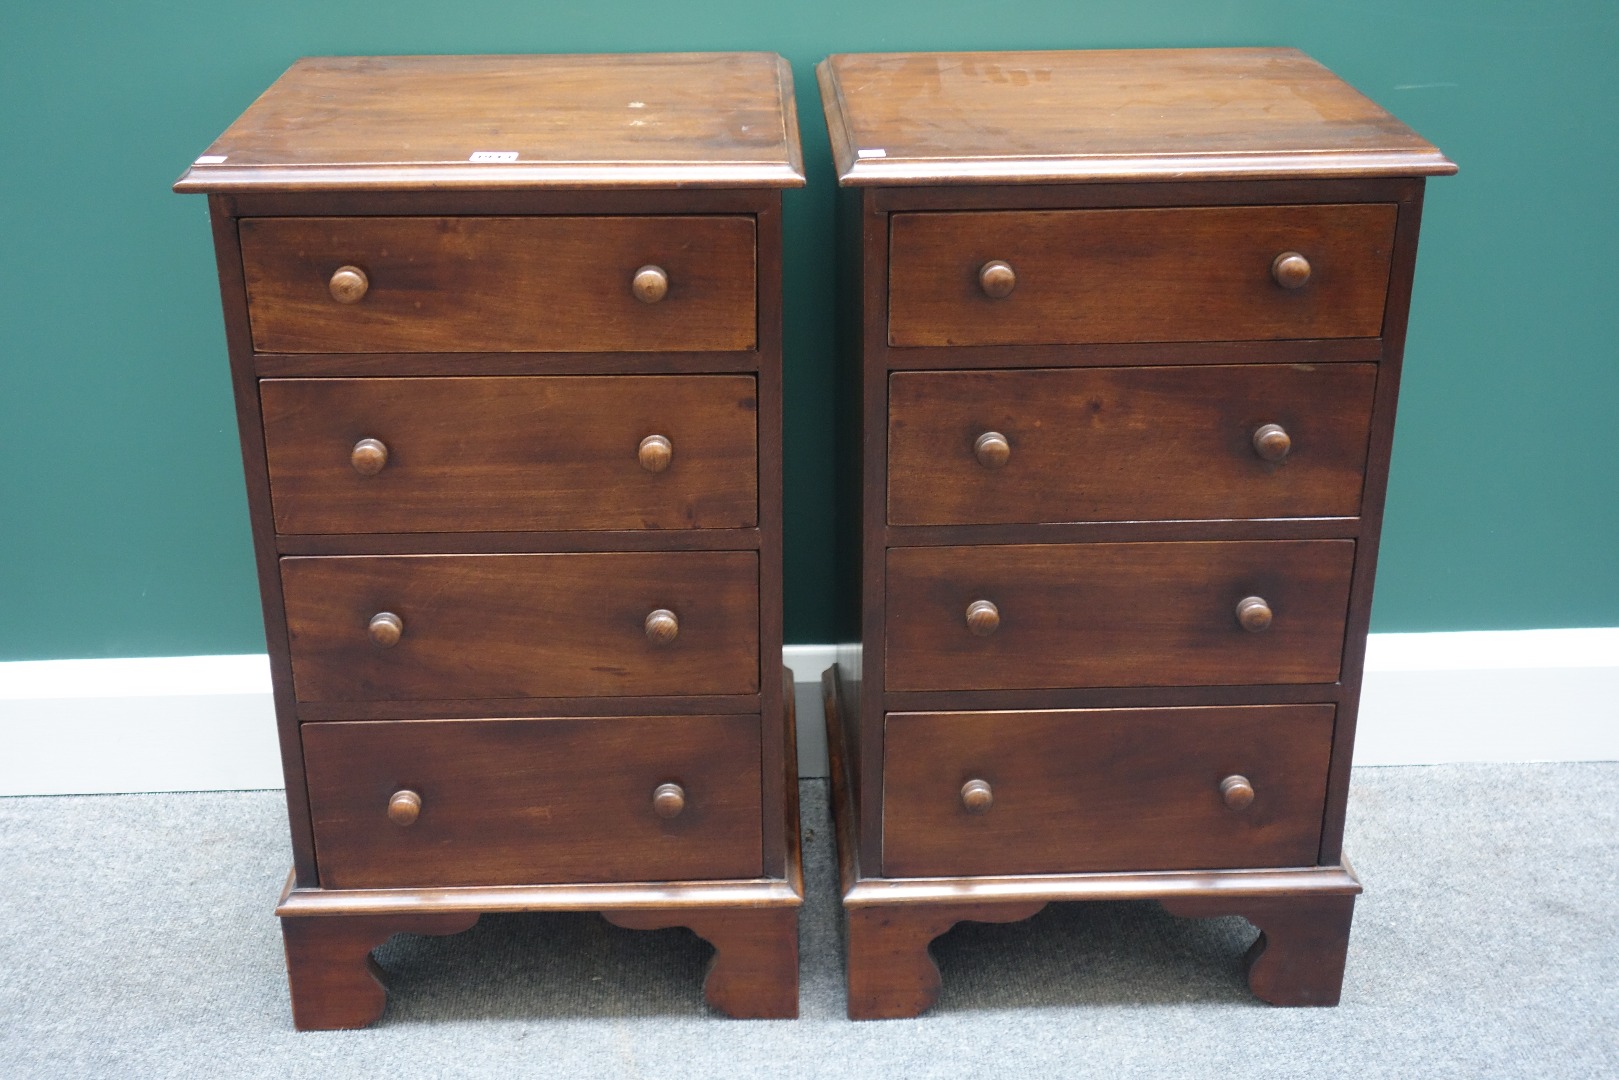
column 136, row 940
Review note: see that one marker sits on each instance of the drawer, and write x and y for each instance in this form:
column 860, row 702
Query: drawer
column 1106, row 789
column 515, row 626
column 1153, row 614
column 504, row 284
column 1179, row 274
column 517, row 802
column 1127, row 444
column 512, row 454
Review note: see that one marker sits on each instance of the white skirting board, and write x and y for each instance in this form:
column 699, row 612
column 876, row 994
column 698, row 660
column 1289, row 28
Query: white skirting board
column 200, row 723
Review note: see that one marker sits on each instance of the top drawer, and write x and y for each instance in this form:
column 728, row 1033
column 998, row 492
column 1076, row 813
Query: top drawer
column 1179, row 274
column 507, row 284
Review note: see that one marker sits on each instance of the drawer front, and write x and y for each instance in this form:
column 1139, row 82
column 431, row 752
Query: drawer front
column 516, row 802
column 515, row 626
column 513, row 284
column 512, row 454
column 1096, row 790
column 1077, row 615
column 1127, row 444
column 1180, row 274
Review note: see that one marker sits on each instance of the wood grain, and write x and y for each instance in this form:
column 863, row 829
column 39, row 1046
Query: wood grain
column 1298, row 958
column 468, row 269
column 412, row 123
column 1377, row 478
column 753, row 974
column 510, row 626
column 891, row 975
column 249, row 422
column 1161, row 274
column 1079, row 790
column 1127, row 444
column 513, row 454
column 1137, row 114
column 508, row 802
column 1116, row 614
column 500, row 284
column 334, row 982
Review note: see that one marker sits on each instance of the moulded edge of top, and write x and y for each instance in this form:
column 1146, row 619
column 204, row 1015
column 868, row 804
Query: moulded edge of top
column 220, row 178
column 857, row 171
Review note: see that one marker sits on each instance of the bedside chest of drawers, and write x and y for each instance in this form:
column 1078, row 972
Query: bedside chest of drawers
column 1124, row 333
column 505, row 341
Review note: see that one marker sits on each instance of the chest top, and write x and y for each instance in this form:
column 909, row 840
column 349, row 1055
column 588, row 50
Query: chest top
column 402, row 123
column 1125, row 115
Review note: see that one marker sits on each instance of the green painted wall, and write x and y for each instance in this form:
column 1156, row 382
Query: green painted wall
column 123, row 527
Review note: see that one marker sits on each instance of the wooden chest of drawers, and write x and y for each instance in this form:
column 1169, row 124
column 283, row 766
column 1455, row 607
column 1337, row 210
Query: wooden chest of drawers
column 1124, row 332
column 505, row 339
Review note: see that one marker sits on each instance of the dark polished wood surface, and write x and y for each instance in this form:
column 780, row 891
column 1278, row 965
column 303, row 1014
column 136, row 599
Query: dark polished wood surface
column 1078, row 791
column 401, row 123
column 507, row 284
column 1116, row 614
column 508, row 399
column 754, row 972
column 510, row 802
column 1298, row 958
column 501, row 626
column 513, row 454
column 1073, row 284
column 891, row 920
column 1127, row 444
column 1138, row 114
column 1165, row 274
column 334, row 982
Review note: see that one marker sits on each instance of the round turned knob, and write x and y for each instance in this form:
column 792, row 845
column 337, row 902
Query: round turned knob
column 655, row 453
column 369, row 456
column 1237, row 792
column 404, row 807
column 650, row 284
column 662, row 627
column 668, row 800
column 1254, row 614
column 983, row 618
column 997, row 279
column 348, row 285
column 1272, row 442
column 1290, row 269
column 386, row 629
column 976, row 796
column 992, row 450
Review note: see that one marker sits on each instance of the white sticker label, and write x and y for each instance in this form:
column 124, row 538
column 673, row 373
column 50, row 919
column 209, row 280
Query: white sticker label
column 493, row 155
column 212, row 159
column 870, row 153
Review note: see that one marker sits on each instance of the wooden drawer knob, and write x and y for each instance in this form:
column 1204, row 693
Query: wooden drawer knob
column 992, row 450
column 650, row 284
column 1254, row 614
column 369, row 456
column 404, row 807
column 983, row 618
column 668, row 800
column 662, row 627
column 348, row 285
column 1237, row 792
column 976, row 796
column 1290, row 269
column 655, row 453
column 386, row 629
column 1272, row 442
column 997, row 279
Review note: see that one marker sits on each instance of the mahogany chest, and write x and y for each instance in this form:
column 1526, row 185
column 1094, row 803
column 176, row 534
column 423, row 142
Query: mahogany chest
column 1123, row 334
column 505, row 336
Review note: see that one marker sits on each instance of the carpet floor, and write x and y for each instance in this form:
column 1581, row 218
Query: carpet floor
column 136, row 940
